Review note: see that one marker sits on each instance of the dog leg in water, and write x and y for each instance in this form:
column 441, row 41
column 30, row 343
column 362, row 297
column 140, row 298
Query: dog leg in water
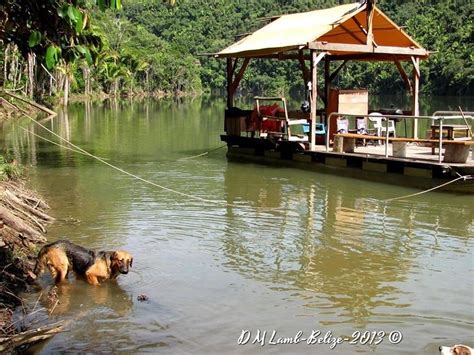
column 91, row 276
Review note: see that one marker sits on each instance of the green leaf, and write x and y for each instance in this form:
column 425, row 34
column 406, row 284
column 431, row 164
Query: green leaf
column 52, row 56
column 79, row 26
column 62, row 11
column 85, row 53
column 101, row 4
column 116, row 4
column 88, row 57
column 113, row 4
column 35, row 39
column 81, row 49
column 74, row 14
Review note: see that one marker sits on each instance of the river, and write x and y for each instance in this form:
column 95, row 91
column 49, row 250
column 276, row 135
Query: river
column 231, row 250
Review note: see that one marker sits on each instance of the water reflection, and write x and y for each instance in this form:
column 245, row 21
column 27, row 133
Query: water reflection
column 77, row 298
column 349, row 250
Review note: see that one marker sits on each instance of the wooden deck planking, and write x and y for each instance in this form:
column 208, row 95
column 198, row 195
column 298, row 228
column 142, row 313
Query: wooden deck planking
column 414, row 153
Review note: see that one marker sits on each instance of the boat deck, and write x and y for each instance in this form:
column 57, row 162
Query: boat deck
column 414, row 153
column 419, row 168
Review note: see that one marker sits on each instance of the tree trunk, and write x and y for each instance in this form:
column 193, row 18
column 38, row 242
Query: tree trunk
column 5, row 65
column 31, row 74
column 66, row 90
column 59, row 80
column 147, row 80
column 19, row 71
column 86, row 73
column 13, row 67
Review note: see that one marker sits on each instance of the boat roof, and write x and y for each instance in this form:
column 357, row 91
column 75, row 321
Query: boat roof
column 340, row 30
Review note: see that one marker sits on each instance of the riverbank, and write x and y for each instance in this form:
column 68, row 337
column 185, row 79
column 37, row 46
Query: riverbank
column 23, row 105
column 23, row 221
column 13, row 105
column 7, row 111
column 100, row 96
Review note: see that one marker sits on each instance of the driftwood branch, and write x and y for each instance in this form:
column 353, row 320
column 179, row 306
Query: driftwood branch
column 32, row 210
column 23, row 213
column 30, row 336
column 19, row 190
column 32, row 103
column 14, row 222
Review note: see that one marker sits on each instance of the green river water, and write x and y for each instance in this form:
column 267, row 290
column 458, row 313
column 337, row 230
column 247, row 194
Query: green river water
column 282, row 250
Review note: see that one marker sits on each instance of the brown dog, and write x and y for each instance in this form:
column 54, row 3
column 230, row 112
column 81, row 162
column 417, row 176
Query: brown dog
column 63, row 256
column 456, row 350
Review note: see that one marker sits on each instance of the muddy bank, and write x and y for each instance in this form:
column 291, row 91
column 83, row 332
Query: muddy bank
column 23, row 221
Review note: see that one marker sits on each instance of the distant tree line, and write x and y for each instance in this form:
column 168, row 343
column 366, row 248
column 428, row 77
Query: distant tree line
column 57, row 46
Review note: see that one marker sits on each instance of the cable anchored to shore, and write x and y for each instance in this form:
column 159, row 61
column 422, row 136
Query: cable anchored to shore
column 80, row 150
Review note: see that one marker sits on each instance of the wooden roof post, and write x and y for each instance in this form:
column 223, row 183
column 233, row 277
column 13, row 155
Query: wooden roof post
column 370, row 18
column 304, row 69
column 415, row 97
column 327, row 82
column 233, row 82
column 404, row 75
column 230, row 74
column 314, row 97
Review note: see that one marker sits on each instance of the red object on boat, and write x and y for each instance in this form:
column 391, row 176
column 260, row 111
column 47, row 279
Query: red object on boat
column 268, row 125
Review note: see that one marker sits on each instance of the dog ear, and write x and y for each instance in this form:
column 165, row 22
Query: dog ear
column 113, row 256
column 131, row 262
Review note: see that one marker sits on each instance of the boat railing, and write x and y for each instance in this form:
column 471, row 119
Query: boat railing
column 453, row 113
column 440, row 118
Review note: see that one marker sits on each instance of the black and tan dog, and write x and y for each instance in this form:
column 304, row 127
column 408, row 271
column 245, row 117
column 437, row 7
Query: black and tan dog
column 63, row 256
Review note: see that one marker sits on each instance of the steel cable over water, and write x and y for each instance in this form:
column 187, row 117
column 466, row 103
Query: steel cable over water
column 78, row 149
column 82, row 151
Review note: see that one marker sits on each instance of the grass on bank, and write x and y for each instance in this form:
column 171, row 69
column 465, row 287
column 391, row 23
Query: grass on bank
column 9, row 169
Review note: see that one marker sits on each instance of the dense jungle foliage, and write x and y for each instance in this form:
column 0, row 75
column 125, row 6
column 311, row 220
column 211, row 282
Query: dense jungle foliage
column 152, row 45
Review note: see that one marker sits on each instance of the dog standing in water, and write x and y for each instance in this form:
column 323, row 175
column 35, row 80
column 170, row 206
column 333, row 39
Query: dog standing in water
column 63, row 256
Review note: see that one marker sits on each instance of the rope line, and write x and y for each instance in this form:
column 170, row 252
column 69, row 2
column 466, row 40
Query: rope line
column 464, row 177
column 194, row 156
column 202, row 154
column 53, row 142
column 84, row 152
